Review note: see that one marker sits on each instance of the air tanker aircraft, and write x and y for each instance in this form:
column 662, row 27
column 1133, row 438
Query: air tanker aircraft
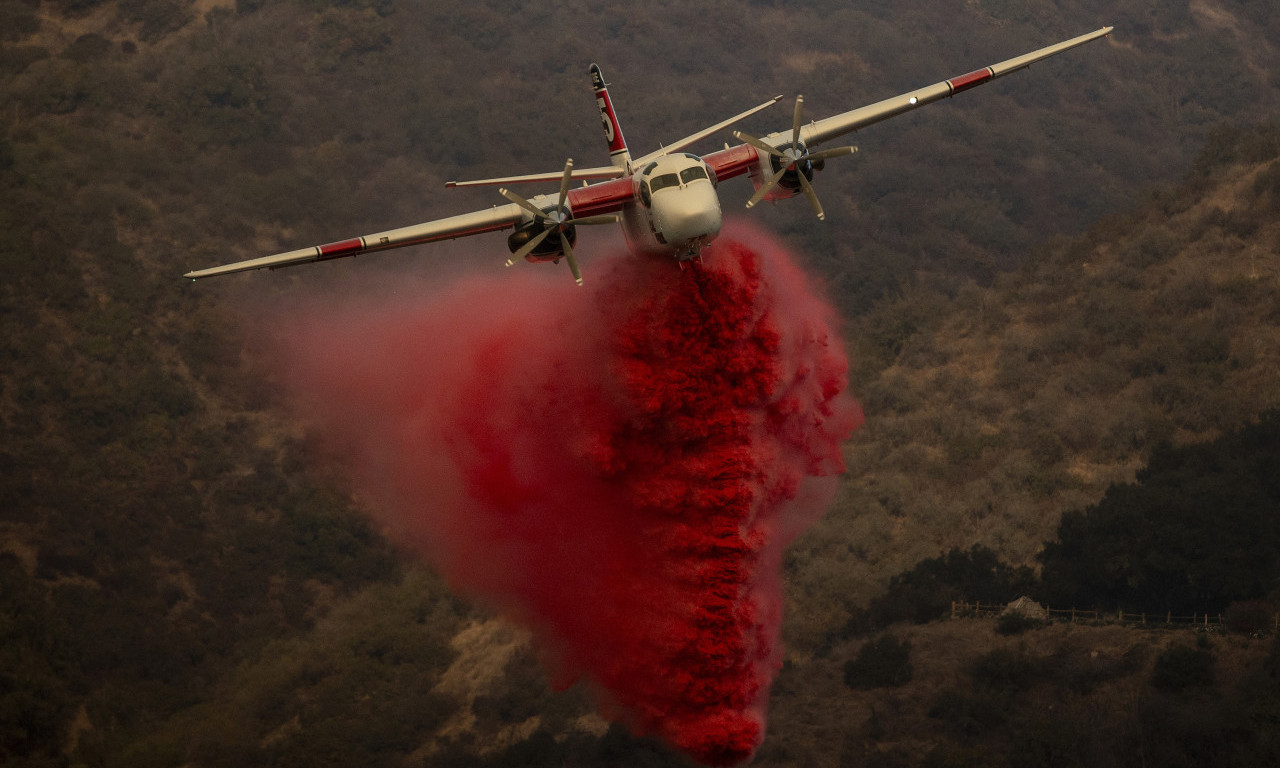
column 666, row 200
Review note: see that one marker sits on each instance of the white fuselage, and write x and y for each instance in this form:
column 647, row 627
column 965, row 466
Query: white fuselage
column 676, row 210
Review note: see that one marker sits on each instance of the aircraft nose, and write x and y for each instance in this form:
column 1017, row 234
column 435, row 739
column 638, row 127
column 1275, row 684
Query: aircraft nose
column 693, row 214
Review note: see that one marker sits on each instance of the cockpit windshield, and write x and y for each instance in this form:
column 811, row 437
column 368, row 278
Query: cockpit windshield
column 664, row 181
column 676, row 179
column 693, row 174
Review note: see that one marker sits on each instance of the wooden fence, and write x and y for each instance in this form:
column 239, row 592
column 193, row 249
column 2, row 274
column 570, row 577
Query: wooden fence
column 963, row 609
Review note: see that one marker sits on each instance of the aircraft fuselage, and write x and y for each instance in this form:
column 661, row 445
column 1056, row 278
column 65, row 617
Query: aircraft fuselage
column 675, row 210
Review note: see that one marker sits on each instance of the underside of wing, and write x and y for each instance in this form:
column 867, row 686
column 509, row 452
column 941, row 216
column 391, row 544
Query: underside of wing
column 491, row 220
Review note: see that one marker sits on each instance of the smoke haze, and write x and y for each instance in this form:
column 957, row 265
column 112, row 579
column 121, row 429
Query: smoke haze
column 618, row 468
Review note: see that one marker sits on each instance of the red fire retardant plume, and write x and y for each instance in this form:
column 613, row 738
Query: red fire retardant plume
column 618, row 467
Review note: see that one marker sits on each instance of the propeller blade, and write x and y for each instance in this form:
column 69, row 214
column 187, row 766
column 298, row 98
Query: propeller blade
column 833, row 152
column 564, row 182
column 758, row 144
column 569, row 257
column 768, row 185
column 799, row 118
column 523, row 203
column 528, row 247
column 813, row 196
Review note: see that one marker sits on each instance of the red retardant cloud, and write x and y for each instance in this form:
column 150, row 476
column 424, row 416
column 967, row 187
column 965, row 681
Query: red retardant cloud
column 618, row 467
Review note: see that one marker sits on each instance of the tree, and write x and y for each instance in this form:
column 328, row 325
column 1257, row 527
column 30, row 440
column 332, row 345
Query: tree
column 925, row 592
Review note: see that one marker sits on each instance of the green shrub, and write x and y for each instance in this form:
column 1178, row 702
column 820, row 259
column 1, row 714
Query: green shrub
column 1017, row 623
column 1154, row 246
column 881, row 663
column 1179, row 668
column 17, row 21
column 157, row 17
column 87, row 48
column 1005, row 669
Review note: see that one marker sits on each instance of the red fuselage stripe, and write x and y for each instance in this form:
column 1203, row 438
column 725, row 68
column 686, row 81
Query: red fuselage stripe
column 965, row 82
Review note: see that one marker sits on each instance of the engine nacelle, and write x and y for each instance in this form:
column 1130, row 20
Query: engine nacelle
column 767, row 166
column 550, row 249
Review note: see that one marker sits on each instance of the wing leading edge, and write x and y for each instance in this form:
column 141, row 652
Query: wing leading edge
column 491, row 220
column 740, row 159
column 837, row 125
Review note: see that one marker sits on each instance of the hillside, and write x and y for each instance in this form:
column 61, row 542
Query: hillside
column 993, row 410
column 1062, row 695
column 182, row 583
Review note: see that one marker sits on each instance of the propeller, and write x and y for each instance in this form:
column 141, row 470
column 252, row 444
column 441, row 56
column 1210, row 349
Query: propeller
column 794, row 158
column 558, row 221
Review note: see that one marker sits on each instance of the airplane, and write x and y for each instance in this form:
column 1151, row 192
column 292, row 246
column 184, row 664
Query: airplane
column 667, row 200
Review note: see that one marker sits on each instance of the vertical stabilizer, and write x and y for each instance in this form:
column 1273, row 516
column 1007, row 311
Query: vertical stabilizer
column 618, row 153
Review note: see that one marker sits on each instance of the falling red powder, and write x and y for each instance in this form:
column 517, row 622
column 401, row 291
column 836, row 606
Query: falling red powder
column 618, row 467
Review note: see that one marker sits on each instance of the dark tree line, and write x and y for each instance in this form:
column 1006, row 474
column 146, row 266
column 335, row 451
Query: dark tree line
column 1197, row 531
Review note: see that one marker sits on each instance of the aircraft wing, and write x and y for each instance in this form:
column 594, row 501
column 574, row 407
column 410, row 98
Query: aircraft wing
column 837, row 125
column 705, row 132
column 491, row 220
column 607, row 172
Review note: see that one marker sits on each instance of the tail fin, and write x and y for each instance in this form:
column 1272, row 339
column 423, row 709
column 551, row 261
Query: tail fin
column 618, row 153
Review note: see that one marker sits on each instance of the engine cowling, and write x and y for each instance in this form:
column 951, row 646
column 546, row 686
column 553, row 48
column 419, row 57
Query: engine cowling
column 792, row 165
column 550, row 249
column 790, row 181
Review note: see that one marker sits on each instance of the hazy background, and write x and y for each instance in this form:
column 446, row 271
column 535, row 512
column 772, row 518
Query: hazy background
column 1044, row 281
